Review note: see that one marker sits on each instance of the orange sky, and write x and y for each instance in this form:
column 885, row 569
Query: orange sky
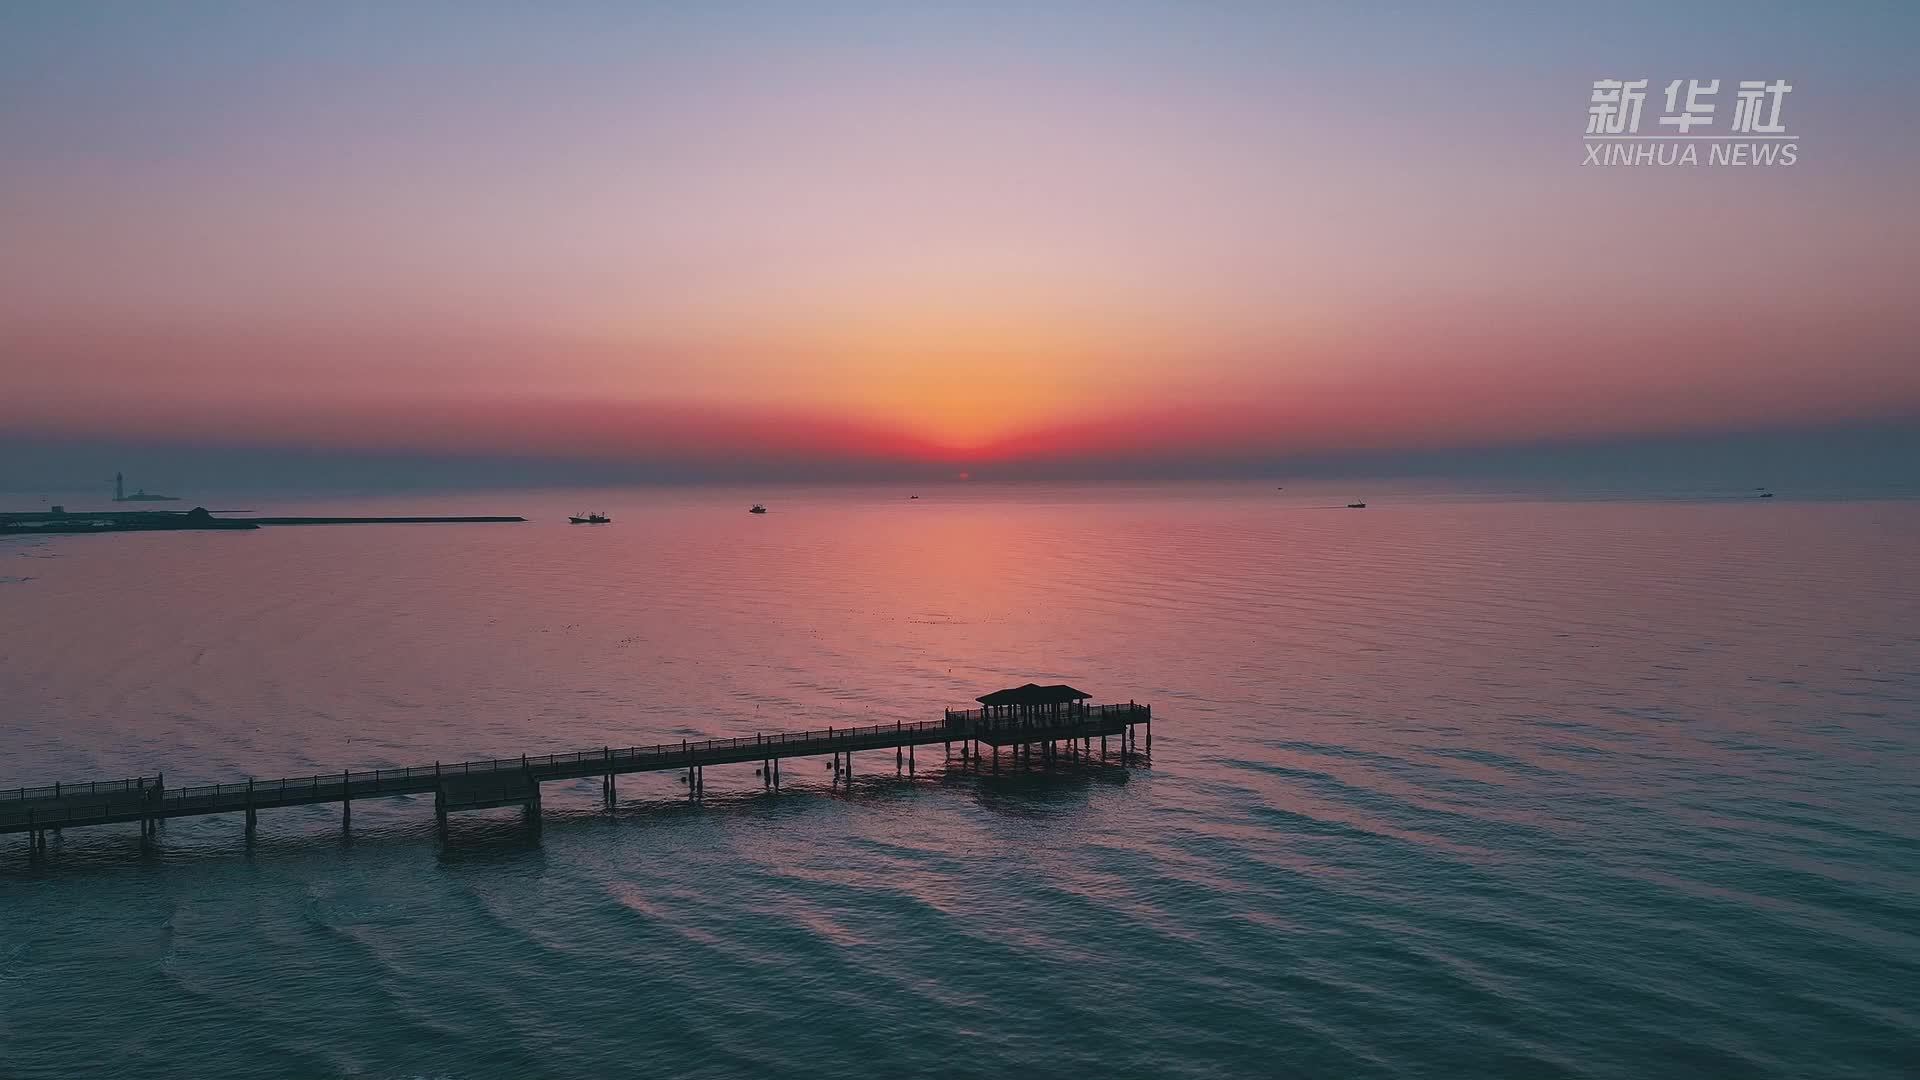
column 941, row 236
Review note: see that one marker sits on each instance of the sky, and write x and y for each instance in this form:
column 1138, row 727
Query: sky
column 896, row 235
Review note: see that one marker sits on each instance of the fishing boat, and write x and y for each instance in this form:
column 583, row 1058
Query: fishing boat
column 756, row 508
column 590, row 519
column 1356, row 506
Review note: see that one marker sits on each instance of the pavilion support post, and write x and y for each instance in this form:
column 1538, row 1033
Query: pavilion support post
column 251, row 822
column 440, row 812
column 909, row 761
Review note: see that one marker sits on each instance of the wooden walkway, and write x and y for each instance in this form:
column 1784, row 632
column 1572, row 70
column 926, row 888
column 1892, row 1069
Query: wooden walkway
column 472, row 785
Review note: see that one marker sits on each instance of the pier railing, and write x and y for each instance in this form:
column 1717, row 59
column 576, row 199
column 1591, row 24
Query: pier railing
column 131, row 785
column 1069, row 717
column 557, row 766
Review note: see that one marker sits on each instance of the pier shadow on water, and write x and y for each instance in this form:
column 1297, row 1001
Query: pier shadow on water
column 504, row 835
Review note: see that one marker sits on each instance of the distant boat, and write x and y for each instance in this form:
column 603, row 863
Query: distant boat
column 1766, row 494
column 757, row 509
column 913, row 496
column 590, row 519
column 1356, row 506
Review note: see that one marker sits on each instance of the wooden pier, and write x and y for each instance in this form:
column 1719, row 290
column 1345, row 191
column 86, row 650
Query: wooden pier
column 1056, row 732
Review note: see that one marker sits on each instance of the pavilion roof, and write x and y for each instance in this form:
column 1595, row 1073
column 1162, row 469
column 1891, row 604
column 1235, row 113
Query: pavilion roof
column 1034, row 694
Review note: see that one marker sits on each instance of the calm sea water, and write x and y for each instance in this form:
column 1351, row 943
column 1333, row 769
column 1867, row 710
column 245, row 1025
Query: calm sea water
column 1449, row 787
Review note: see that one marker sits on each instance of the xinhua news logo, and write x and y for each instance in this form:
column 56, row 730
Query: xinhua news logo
column 1755, row 134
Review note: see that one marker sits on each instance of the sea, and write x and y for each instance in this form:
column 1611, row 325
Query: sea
column 1461, row 784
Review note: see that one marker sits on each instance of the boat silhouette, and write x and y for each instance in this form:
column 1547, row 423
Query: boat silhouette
column 590, row 519
column 756, row 508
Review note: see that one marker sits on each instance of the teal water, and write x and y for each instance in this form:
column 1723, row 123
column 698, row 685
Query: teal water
column 1452, row 786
